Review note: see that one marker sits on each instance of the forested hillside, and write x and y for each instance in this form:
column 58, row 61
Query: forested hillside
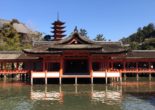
column 143, row 39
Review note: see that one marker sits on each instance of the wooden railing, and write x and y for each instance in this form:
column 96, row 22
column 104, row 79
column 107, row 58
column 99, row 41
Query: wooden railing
column 133, row 70
column 13, row 71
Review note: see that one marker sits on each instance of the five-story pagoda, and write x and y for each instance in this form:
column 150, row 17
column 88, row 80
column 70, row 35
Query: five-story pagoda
column 58, row 32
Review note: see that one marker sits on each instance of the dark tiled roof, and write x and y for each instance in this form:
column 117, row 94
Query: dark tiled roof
column 12, row 55
column 29, row 51
column 83, row 39
column 138, row 54
column 141, row 54
column 83, row 43
column 74, row 47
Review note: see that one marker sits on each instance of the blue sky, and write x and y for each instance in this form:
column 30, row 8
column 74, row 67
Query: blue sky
column 113, row 18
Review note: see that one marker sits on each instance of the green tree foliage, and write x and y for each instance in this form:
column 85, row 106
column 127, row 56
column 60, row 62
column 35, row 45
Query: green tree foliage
column 47, row 38
column 142, row 39
column 83, row 32
column 100, row 37
column 10, row 39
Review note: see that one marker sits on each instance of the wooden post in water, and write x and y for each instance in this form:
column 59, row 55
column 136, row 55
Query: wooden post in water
column 31, row 78
column 75, row 80
column 60, row 80
column 92, row 80
column 106, row 79
column 4, row 77
column 25, row 77
column 150, row 77
column 137, row 77
column 120, row 78
column 117, row 79
column 46, row 77
column 125, row 76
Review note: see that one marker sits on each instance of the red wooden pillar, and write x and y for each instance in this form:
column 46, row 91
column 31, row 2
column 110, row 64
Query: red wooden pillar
column 124, row 66
column 108, row 65
column 149, row 66
column 112, row 65
column 61, row 69
column 137, row 66
column 137, row 75
column 45, row 70
column 90, row 68
column 17, row 66
column 150, row 69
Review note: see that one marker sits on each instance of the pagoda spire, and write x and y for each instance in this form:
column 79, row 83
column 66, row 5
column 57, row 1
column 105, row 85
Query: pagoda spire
column 57, row 16
column 58, row 29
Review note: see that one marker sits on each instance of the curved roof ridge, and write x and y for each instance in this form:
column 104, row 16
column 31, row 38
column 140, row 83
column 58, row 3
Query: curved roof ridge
column 75, row 34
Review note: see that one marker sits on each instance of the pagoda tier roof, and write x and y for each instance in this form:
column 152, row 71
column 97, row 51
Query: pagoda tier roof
column 58, row 22
column 58, row 31
column 77, row 42
column 58, row 27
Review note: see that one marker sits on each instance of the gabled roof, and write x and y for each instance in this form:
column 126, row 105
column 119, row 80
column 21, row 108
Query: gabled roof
column 77, row 37
column 77, row 42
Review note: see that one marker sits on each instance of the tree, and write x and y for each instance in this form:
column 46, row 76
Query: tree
column 47, row 37
column 10, row 39
column 140, row 39
column 134, row 45
column 83, row 32
column 100, row 37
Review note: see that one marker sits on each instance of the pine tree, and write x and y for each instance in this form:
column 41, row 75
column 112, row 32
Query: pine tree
column 10, row 39
column 100, row 37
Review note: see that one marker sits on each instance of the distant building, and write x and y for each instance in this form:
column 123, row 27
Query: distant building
column 28, row 35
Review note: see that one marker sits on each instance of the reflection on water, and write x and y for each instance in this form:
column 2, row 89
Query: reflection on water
column 107, row 96
column 128, row 96
column 135, row 103
column 47, row 95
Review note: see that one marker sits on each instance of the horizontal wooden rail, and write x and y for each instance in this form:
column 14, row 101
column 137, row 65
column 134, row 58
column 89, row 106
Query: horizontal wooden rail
column 13, row 71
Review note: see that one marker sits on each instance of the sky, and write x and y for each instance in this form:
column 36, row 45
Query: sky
column 112, row 18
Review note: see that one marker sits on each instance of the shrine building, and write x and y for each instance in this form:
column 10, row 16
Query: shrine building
column 77, row 57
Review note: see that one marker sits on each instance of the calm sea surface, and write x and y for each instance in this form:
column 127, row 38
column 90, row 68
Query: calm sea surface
column 128, row 96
